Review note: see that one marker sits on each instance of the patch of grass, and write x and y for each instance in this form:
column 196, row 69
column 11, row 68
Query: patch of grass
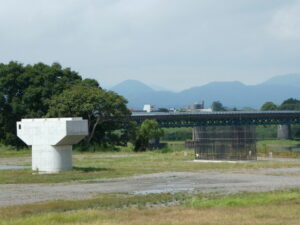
column 164, row 150
column 279, row 207
column 96, row 166
column 278, row 143
column 8, row 152
column 102, row 149
column 103, row 201
column 287, row 214
column 177, row 134
column 89, row 165
column 264, row 147
column 244, row 199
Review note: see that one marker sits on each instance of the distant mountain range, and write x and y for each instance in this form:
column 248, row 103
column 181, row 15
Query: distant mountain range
column 230, row 94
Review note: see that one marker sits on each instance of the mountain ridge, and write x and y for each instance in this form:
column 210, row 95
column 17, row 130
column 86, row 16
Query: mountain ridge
column 230, row 93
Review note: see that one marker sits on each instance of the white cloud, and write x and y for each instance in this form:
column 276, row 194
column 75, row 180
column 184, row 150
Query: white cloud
column 286, row 22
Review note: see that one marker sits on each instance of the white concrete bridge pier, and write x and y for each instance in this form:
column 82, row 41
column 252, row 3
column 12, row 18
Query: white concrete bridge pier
column 51, row 140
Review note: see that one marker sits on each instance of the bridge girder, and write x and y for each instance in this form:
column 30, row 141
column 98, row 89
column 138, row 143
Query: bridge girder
column 221, row 119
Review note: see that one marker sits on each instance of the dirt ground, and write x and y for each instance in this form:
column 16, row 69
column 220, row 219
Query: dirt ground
column 253, row 180
column 15, row 161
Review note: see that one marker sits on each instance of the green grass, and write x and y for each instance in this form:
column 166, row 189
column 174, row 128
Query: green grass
column 88, row 166
column 103, row 201
column 278, row 143
column 119, row 209
column 244, row 199
column 177, row 134
column 264, row 147
column 7, row 152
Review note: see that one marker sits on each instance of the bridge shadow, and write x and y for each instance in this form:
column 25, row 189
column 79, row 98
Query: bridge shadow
column 90, row 169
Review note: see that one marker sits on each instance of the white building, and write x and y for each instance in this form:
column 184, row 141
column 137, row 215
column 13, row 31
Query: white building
column 148, row 108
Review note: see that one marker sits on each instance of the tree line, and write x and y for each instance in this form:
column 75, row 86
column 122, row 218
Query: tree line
column 288, row 104
column 40, row 90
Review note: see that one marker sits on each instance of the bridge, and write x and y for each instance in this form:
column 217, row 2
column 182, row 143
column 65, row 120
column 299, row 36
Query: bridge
column 234, row 142
column 234, row 118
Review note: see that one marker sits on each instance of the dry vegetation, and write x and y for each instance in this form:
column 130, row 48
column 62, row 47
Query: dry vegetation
column 281, row 207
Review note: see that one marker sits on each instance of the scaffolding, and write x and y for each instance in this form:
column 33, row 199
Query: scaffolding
column 224, row 143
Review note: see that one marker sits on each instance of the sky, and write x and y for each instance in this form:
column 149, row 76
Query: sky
column 173, row 44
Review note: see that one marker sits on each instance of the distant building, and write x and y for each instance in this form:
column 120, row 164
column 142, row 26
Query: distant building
column 136, row 110
column 197, row 106
column 148, row 108
column 206, row 110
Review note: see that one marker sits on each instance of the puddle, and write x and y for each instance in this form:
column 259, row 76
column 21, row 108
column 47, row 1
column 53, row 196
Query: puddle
column 158, row 191
column 6, row 167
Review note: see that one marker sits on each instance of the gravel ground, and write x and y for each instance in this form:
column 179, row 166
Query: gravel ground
column 11, row 167
column 16, row 161
column 255, row 180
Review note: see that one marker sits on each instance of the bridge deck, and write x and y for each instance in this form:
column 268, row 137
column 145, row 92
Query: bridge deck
column 192, row 119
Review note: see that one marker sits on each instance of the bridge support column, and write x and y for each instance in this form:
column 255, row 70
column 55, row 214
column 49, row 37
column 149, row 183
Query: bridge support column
column 284, row 132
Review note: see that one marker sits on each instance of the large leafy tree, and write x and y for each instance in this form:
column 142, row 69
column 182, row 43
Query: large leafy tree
column 269, row 106
column 290, row 104
column 25, row 90
column 148, row 130
column 100, row 107
column 217, row 106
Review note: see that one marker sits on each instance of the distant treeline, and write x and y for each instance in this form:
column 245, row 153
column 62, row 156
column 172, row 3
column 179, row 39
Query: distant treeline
column 289, row 104
column 263, row 132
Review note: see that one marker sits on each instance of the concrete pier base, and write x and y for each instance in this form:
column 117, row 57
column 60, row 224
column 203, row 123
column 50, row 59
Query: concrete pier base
column 51, row 158
column 284, row 132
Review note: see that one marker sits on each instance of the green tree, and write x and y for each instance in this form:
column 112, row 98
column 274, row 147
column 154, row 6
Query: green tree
column 148, row 130
column 217, row 106
column 103, row 109
column 290, row 104
column 24, row 91
column 269, row 106
column 90, row 83
column 162, row 110
column 247, row 108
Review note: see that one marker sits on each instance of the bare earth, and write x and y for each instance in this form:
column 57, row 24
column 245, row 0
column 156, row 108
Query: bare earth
column 252, row 180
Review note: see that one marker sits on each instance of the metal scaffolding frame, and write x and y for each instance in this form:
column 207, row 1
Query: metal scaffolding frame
column 224, row 143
